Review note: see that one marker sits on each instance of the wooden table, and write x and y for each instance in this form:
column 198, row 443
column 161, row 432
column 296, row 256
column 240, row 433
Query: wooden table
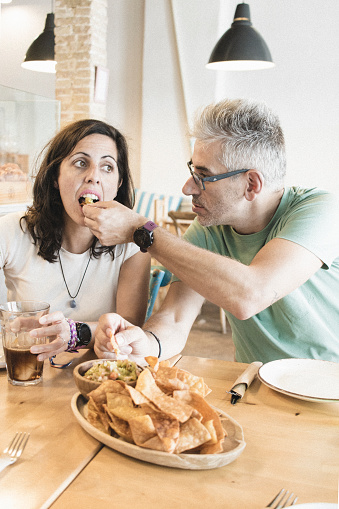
column 290, row 443
column 58, row 448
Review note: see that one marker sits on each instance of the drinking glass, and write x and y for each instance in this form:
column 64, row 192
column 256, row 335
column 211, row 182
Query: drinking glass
column 17, row 319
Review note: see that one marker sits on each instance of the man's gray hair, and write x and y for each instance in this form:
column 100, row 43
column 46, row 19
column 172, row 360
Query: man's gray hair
column 250, row 135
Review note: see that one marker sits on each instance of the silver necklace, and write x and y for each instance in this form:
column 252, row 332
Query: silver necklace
column 72, row 302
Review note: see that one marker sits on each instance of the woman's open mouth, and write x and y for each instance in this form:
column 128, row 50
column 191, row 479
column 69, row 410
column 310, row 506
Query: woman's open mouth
column 86, row 199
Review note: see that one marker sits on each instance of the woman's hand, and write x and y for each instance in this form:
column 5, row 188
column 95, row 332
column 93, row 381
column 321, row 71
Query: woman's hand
column 133, row 343
column 56, row 327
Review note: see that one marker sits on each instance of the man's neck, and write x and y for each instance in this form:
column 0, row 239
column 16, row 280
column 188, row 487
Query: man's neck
column 260, row 213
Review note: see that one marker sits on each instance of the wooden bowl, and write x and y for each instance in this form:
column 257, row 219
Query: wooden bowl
column 84, row 385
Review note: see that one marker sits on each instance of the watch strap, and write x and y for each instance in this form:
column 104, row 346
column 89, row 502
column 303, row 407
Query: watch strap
column 143, row 236
column 150, row 226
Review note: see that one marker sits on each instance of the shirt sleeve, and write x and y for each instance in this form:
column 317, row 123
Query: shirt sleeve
column 129, row 250
column 314, row 224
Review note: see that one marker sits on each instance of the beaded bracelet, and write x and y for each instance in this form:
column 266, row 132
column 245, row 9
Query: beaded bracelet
column 72, row 343
column 157, row 339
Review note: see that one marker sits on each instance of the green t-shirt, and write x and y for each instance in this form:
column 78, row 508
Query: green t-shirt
column 305, row 323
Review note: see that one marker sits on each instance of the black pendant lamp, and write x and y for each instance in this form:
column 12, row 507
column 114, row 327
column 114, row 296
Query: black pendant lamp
column 241, row 48
column 40, row 54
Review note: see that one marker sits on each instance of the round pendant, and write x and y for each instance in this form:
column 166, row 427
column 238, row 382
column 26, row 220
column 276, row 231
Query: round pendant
column 73, row 304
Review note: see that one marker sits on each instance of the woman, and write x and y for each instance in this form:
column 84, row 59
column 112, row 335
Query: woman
column 49, row 254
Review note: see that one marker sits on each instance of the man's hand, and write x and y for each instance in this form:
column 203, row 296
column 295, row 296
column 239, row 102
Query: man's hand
column 133, row 343
column 111, row 222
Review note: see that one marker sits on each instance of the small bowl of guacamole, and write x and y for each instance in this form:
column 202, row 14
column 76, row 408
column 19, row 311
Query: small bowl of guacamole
column 89, row 375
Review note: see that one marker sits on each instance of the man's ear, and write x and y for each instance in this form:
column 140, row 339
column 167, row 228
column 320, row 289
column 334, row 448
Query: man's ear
column 255, row 183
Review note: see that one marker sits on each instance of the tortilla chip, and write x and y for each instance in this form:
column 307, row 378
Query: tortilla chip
column 187, row 377
column 192, row 434
column 166, row 372
column 196, row 414
column 126, row 413
column 118, row 400
column 97, row 416
column 115, row 345
column 142, row 429
column 171, row 384
column 146, row 384
column 195, row 383
column 153, row 362
column 91, row 406
column 166, row 445
column 200, row 404
column 209, row 425
column 166, row 378
column 94, row 418
column 201, row 388
column 137, row 397
column 175, row 409
column 121, row 427
column 99, row 394
column 165, row 427
column 165, row 363
column 167, row 405
column 211, row 448
column 150, row 408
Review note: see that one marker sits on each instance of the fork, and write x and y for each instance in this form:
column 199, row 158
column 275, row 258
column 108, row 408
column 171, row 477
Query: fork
column 14, row 450
column 283, row 499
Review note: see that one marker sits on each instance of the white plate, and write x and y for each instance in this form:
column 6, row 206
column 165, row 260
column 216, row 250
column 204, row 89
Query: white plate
column 233, row 446
column 317, row 505
column 307, row 379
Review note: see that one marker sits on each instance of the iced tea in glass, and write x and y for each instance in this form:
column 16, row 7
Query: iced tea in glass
column 17, row 319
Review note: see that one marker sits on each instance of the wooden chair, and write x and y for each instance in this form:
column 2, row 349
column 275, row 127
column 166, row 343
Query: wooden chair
column 181, row 220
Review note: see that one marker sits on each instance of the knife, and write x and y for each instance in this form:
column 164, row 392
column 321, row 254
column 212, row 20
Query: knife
column 244, row 381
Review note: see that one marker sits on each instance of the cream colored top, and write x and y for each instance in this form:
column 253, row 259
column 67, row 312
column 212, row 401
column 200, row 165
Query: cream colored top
column 30, row 277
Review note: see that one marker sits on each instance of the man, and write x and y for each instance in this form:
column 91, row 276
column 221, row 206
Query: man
column 265, row 253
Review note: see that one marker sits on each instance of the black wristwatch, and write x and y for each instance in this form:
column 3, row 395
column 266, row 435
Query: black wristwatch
column 143, row 236
column 84, row 334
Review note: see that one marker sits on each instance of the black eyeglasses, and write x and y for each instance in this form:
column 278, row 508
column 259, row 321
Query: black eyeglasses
column 201, row 181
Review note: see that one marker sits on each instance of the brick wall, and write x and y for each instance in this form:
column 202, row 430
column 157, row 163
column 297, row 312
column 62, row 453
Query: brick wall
column 80, row 46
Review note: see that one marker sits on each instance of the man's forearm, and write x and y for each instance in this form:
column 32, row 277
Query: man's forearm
column 219, row 279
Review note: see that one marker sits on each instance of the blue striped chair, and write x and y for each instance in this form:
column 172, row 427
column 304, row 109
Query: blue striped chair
column 159, row 277
column 145, row 204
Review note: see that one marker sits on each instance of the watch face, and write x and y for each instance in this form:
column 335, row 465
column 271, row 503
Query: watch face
column 84, row 333
column 143, row 238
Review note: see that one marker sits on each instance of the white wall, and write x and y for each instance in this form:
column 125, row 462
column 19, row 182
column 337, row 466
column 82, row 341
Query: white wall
column 148, row 103
column 303, row 88
column 125, row 53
